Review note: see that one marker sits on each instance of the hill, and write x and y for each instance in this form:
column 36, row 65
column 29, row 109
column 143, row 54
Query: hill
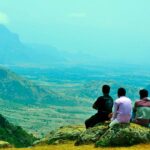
column 15, row 135
column 15, row 88
column 11, row 48
column 13, row 51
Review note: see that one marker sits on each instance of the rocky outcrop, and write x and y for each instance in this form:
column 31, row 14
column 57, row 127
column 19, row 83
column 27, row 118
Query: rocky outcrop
column 91, row 135
column 100, row 135
column 124, row 135
column 62, row 135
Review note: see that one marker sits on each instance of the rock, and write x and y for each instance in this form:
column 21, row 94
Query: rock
column 124, row 135
column 91, row 135
column 62, row 135
column 100, row 135
column 4, row 144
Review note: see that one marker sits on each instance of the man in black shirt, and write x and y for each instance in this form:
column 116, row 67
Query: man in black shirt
column 104, row 106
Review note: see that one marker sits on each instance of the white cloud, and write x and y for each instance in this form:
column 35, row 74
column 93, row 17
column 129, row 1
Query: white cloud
column 4, row 18
column 78, row 15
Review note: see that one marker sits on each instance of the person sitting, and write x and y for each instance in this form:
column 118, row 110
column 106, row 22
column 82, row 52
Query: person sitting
column 141, row 109
column 104, row 106
column 122, row 109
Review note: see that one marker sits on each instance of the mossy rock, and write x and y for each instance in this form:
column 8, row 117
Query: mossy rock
column 4, row 144
column 124, row 135
column 91, row 135
column 62, row 135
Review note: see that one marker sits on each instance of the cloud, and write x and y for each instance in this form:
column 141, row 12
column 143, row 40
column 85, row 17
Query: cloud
column 78, row 15
column 4, row 18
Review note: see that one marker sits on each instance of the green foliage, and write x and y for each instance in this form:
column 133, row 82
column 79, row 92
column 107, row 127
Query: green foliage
column 62, row 135
column 15, row 135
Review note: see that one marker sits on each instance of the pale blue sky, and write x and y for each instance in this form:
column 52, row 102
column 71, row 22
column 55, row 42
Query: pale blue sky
column 118, row 29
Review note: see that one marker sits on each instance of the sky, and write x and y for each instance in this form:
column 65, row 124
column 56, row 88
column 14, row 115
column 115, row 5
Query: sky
column 109, row 29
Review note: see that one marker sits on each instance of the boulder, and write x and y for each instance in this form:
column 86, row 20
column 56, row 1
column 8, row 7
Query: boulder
column 91, row 135
column 100, row 135
column 124, row 135
column 62, row 135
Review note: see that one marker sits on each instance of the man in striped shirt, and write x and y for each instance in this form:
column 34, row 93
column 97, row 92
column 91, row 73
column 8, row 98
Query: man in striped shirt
column 142, row 109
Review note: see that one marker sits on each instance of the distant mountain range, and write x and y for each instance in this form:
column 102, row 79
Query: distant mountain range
column 15, row 52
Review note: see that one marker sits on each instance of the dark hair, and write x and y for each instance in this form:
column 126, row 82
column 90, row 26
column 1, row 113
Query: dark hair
column 106, row 89
column 121, row 92
column 143, row 93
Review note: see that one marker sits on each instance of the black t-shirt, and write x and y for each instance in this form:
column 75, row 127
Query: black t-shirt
column 104, row 104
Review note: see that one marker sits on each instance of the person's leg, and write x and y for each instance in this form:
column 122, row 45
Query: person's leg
column 113, row 123
column 92, row 121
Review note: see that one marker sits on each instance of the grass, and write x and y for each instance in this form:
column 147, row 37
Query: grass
column 70, row 146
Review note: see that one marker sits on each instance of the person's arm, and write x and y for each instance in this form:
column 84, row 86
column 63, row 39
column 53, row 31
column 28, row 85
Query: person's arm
column 96, row 104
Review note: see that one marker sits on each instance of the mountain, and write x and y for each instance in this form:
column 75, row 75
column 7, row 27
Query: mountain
column 11, row 48
column 15, row 135
column 17, row 89
column 14, row 52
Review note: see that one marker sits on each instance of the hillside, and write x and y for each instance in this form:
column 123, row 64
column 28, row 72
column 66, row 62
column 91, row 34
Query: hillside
column 15, row 135
column 17, row 89
column 11, row 48
column 13, row 51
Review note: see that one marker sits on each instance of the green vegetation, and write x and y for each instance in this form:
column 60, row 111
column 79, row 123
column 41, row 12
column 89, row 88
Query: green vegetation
column 15, row 135
column 100, row 135
column 42, row 100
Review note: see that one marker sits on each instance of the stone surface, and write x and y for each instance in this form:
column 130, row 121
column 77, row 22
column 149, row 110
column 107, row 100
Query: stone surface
column 62, row 135
column 91, row 135
column 100, row 135
column 124, row 135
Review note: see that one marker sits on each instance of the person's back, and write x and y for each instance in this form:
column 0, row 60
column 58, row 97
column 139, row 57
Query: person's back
column 122, row 108
column 103, row 105
column 142, row 109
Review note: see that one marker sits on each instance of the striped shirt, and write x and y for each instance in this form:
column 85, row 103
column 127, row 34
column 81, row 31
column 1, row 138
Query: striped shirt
column 142, row 112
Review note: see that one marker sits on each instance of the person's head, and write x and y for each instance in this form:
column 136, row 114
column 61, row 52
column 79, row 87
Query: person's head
column 121, row 92
column 143, row 93
column 106, row 89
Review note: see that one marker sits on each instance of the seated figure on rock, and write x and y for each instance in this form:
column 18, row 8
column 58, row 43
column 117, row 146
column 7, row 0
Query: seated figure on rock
column 122, row 109
column 104, row 106
column 141, row 109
